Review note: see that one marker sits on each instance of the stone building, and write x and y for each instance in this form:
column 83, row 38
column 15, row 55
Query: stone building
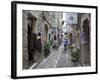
column 30, row 21
column 85, row 28
column 79, row 25
column 43, row 22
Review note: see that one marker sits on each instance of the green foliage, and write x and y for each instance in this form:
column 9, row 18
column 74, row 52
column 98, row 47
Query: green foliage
column 46, row 49
column 75, row 53
column 47, row 46
column 70, row 46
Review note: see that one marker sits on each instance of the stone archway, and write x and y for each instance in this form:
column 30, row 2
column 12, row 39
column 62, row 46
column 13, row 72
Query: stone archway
column 86, row 29
column 85, row 43
column 31, row 30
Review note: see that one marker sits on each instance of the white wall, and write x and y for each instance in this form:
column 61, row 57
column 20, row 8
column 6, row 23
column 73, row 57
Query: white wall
column 74, row 15
column 5, row 40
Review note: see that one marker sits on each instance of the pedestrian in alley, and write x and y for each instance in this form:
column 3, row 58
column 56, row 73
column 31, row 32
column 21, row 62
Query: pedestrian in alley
column 58, row 40
column 39, row 47
column 61, row 38
column 55, row 44
column 51, row 39
column 65, row 42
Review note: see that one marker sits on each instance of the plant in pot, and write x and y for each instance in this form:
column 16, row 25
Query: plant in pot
column 70, row 46
column 75, row 54
column 46, row 49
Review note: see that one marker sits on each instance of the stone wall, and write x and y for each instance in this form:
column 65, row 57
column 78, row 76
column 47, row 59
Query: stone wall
column 25, row 44
column 85, row 47
column 50, row 19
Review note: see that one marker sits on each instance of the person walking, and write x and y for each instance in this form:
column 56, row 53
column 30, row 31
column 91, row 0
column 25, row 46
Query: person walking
column 65, row 42
column 55, row 45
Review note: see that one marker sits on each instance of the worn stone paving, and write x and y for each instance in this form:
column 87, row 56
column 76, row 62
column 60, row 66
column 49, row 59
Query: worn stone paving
column 57, row 59
column 65, row 60
column 51, row 60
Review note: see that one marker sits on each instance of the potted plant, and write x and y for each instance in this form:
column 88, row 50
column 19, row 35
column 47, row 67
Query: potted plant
column 70, row 46
column 75, row 54
column 46, row 49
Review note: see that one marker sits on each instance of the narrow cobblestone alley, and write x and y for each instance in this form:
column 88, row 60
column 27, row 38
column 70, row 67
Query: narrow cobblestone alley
column 57, row 59
column 47, row 33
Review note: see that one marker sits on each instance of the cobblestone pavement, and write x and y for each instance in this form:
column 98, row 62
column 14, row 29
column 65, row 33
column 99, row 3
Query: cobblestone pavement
column 65, row 60
column 58, row 58
column 51, row 60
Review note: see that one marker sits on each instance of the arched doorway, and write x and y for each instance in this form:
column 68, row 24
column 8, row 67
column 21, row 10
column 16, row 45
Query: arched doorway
column 85, row 43
column 86, row 29
column 31, row 39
